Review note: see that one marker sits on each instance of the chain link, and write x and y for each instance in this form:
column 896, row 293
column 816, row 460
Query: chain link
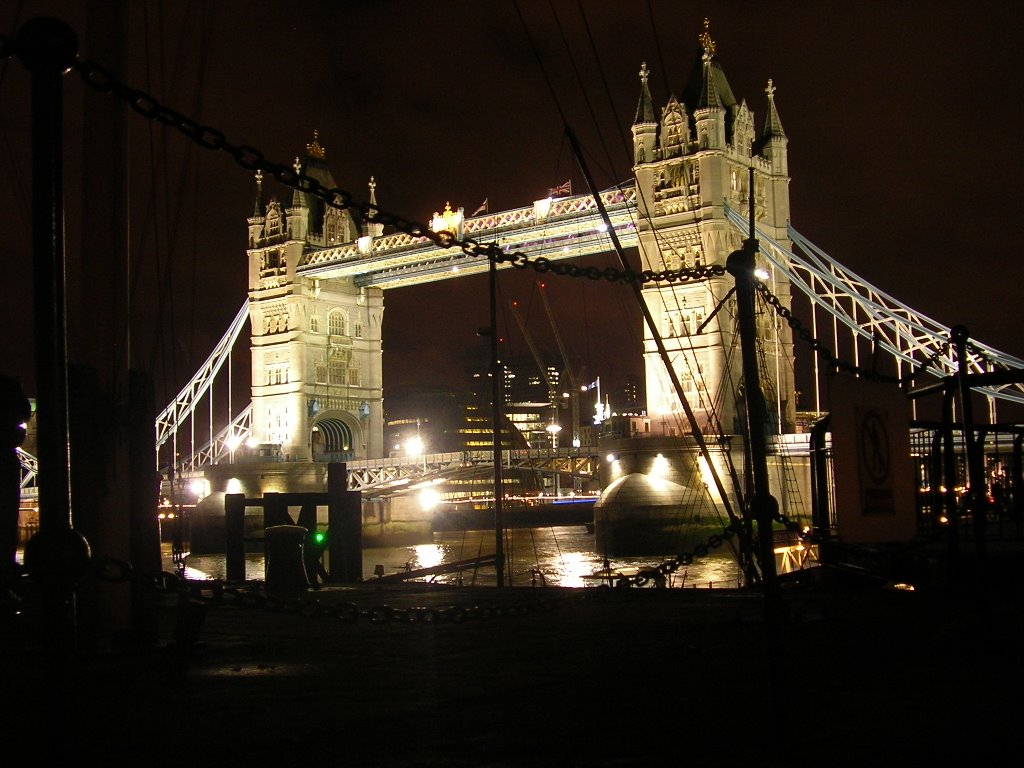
column 216, row 592
column 662, row 571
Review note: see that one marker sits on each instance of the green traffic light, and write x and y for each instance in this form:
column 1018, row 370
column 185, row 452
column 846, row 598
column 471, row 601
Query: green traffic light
column 319, row 537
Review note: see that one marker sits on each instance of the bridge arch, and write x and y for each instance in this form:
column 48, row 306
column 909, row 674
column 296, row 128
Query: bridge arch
column 335, row 436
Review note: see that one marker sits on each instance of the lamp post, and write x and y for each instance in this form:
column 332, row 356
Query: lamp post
column 553, row 429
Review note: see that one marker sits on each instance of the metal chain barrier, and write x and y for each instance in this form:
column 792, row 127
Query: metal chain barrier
column 216, row 592
column 252, row 159
column 664, row 570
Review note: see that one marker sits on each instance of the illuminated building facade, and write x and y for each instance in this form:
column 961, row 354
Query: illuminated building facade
column 688, row 163
column 316, row 343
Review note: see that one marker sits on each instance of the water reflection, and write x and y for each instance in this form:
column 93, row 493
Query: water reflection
column 561, row 556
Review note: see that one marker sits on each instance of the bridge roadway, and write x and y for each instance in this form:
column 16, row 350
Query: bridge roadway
column 561, row 228
column 376, row 476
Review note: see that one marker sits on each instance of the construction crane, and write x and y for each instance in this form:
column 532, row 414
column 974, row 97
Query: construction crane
column 552, row 388
column 574, row 383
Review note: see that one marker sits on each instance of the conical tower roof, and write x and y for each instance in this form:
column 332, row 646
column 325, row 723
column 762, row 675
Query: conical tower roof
column 645, row 107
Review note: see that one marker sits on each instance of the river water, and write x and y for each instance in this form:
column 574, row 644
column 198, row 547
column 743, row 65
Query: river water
column 563, row 556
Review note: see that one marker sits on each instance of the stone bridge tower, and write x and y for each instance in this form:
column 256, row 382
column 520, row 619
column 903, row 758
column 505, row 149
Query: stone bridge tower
column 316, row 343
column 689, row 163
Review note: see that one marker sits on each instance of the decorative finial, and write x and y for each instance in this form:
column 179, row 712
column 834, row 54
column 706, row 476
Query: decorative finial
column 314, row 149
column 770, row 90
column 705, row 39
column 373, row 191
column 259, row 193
column 643, row 73
column 297, row 165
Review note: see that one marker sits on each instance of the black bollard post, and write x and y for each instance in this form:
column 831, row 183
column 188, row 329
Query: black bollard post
column 234, row 536
column 344, row 528
column 57, row 556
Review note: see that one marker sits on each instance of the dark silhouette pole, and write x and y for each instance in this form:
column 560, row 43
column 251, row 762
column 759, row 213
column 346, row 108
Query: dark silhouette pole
column 762, row 504
column 496, row 380
column 57, row 556
column 974, row 448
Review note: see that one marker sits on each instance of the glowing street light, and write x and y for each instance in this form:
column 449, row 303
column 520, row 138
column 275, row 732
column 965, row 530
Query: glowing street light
column 414, row 446
column 232, row 442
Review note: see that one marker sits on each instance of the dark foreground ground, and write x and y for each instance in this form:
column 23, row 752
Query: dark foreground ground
column 853, row 674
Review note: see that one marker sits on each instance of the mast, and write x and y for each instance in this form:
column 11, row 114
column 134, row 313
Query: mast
column 663, row 352
column 499, row 526
column 763, row 505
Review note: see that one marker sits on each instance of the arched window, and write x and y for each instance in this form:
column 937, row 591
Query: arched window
column 336, row 323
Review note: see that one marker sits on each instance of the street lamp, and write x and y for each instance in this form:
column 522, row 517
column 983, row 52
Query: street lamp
column 553, row 429
column 414, row 447
column 232, row 442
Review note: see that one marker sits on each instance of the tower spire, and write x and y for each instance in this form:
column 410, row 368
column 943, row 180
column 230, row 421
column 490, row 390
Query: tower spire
column 645, row 125
column 645, row 107
column 258, row 209
column 373, row 228
column 772, row 124
column 708, row 92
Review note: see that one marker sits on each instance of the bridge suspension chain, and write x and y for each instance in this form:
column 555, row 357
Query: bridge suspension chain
column 908, row 336
column 823, row 350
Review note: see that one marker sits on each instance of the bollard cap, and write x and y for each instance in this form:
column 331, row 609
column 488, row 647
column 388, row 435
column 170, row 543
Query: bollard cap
column 47, row 44
column 57, row 558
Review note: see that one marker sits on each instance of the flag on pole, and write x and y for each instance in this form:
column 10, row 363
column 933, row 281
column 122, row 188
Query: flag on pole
column 561, row 189
column 482, row 208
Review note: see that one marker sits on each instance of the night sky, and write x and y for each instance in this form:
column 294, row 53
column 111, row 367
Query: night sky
column 903, row 121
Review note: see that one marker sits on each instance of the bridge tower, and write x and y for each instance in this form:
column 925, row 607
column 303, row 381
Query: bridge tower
column 688, row 164
column 317, row 391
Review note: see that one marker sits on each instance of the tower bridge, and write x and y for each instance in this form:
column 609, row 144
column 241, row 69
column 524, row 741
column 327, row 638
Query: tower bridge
column 317, row 279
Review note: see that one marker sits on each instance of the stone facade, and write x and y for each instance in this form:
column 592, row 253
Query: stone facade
column 689, row 163
column 317, row 388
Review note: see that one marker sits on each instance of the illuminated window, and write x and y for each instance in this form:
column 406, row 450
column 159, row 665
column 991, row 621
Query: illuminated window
column 336, row 372
column 336, row 323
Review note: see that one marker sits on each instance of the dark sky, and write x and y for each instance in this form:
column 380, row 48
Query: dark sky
column 903, row 120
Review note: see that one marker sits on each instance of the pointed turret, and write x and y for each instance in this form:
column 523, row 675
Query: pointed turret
column 297, row 211
column 708, row 97
column 257, row 218
column 709, row 114
column 645, row 125
column 773, row 138
column 373, row 229
column 772, row 123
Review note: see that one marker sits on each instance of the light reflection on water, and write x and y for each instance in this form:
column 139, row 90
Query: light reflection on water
column 561, row 556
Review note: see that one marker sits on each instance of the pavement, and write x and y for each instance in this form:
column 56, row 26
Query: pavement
column 839, row 673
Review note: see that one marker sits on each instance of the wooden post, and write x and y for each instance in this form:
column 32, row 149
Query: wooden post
column 234, row 536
